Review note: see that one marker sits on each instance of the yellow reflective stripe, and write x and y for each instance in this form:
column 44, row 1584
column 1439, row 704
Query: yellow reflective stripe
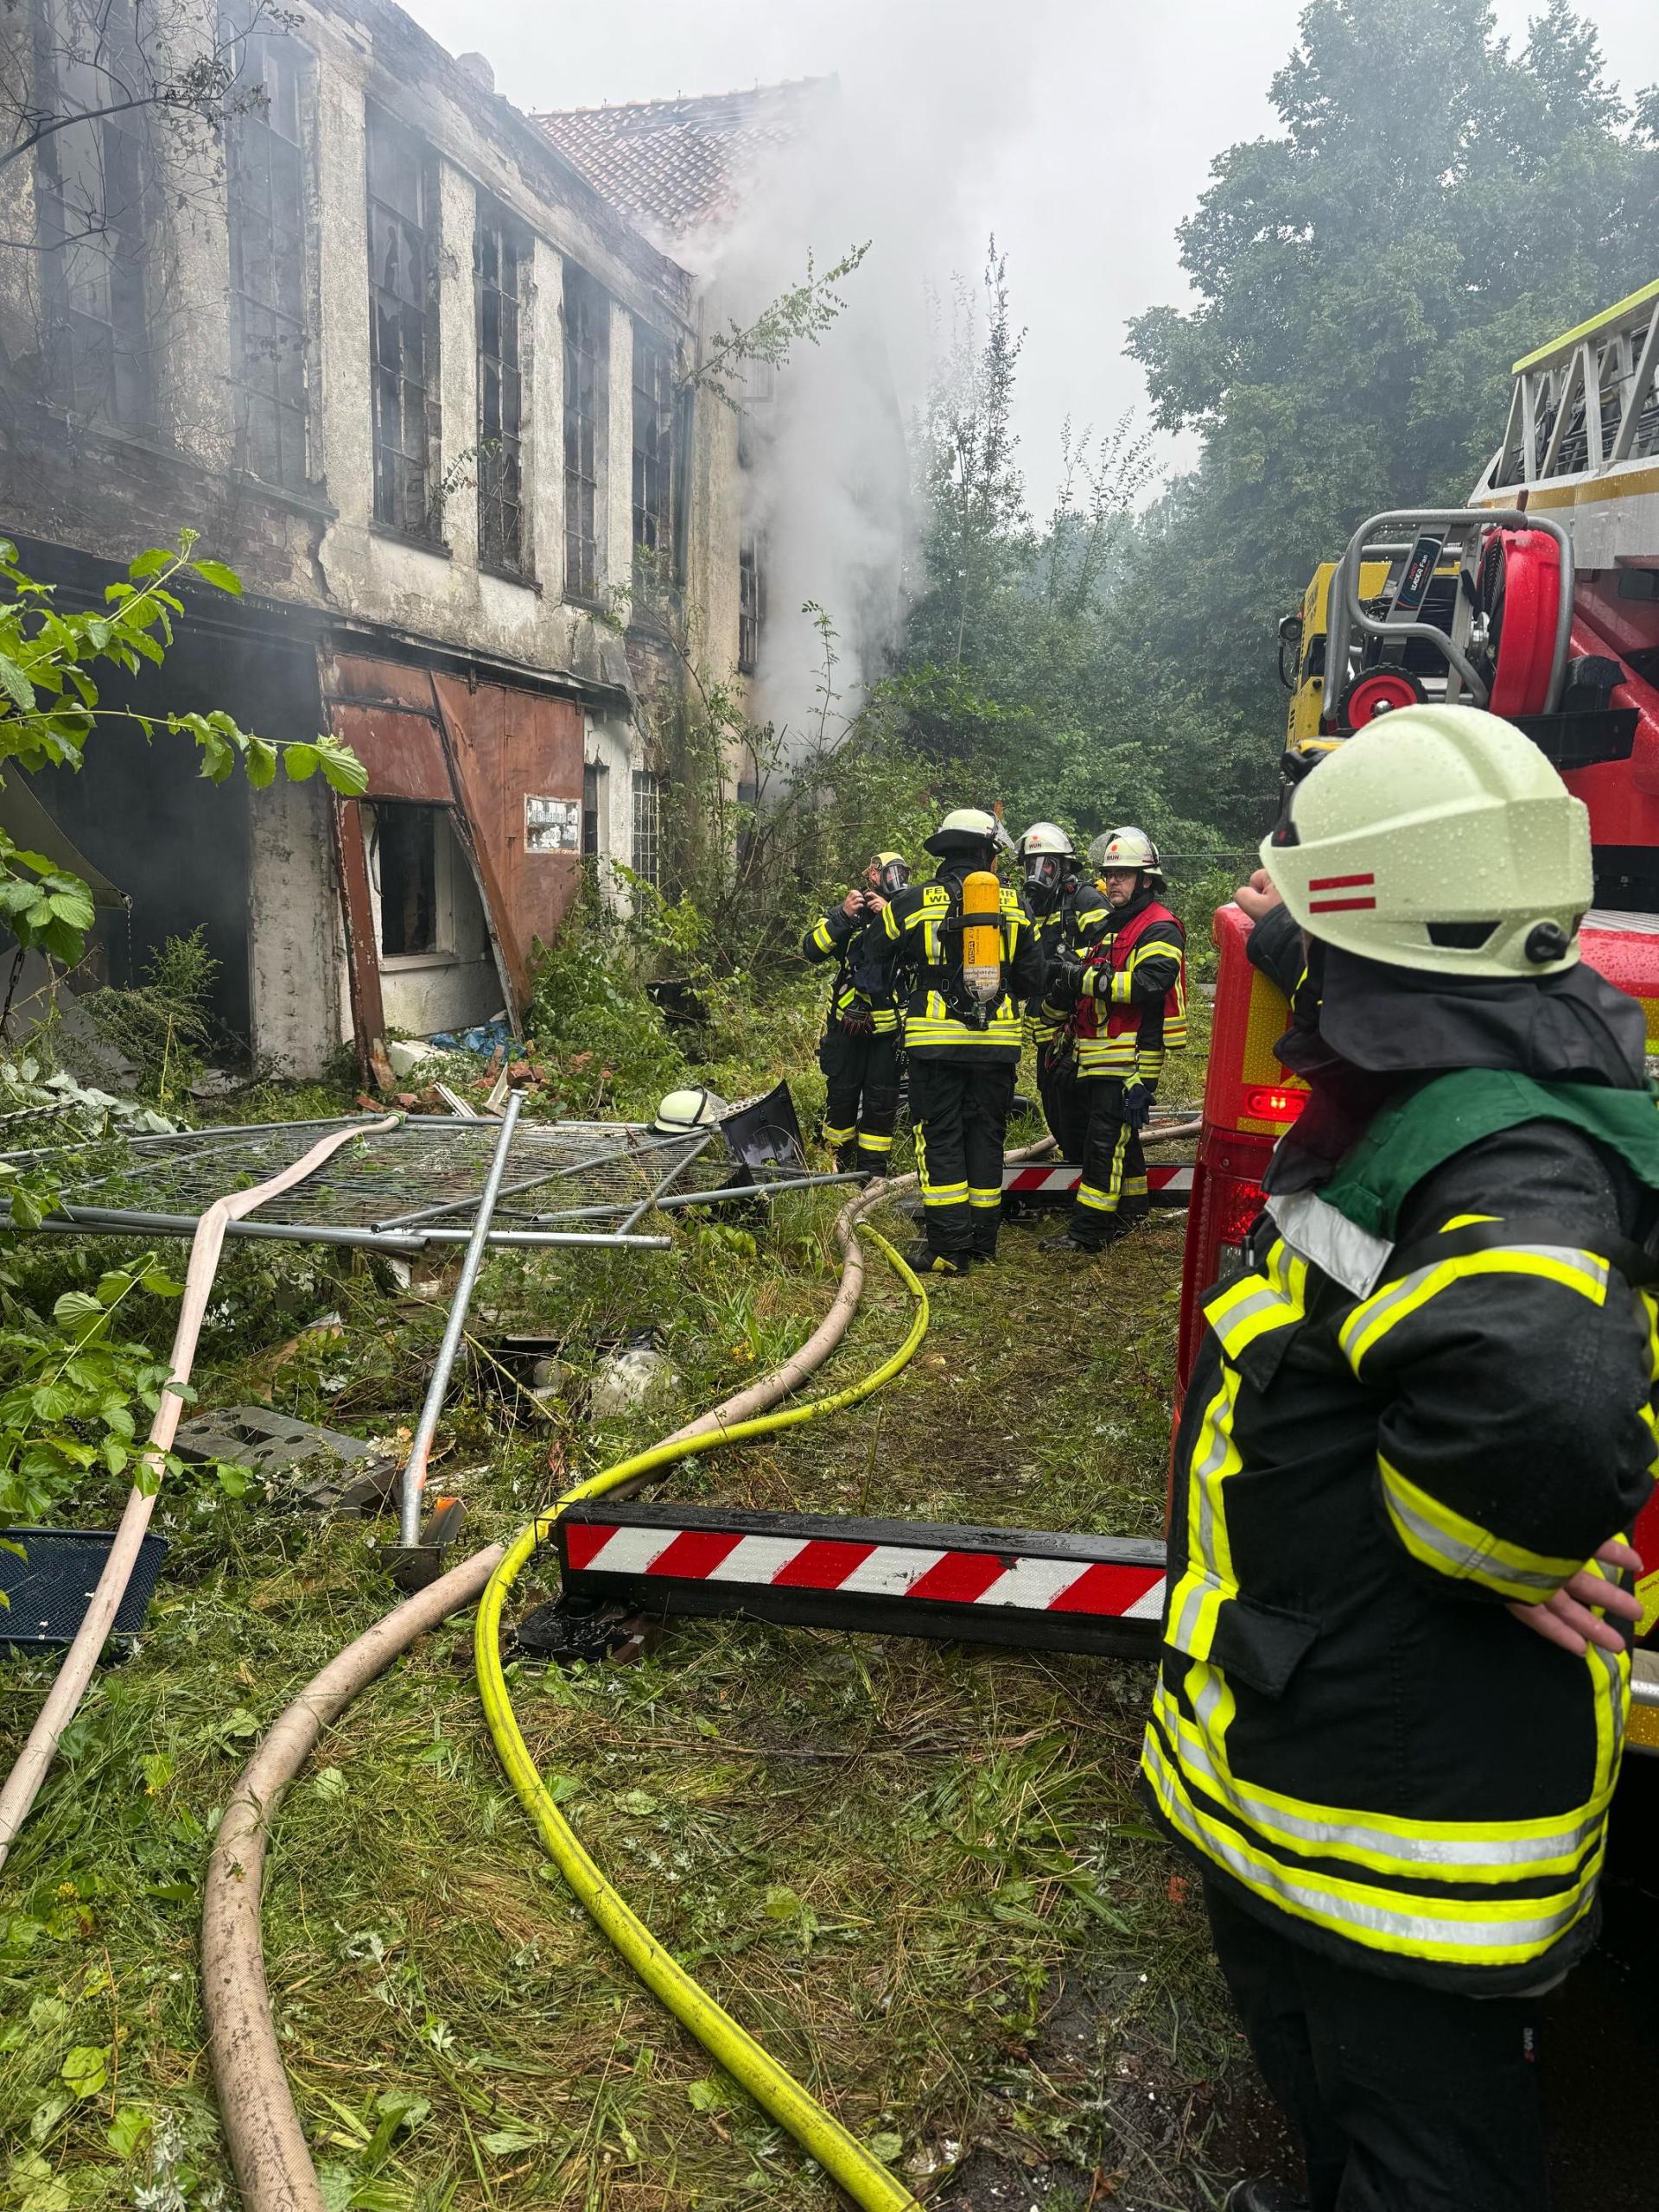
column 1370, row 1321
column 1467, row 1221
column 869, row 1142
column 1455, row 1930
column 1134, row 1186
column 985, row 1198
column 834, row 1135
column 1214, row 1458
column 822, row 937
column 1461, row 1550
column 1451, row 1851
column 1259, row 1302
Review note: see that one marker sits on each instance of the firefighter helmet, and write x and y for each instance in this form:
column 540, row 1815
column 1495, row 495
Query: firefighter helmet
column 964, row 830
column 1438, row 838
column 682, row 1112
column 1126, row 848
column 1045, row 837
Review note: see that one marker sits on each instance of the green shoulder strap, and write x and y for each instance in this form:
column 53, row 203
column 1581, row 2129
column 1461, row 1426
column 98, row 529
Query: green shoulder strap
column 1415, row 1135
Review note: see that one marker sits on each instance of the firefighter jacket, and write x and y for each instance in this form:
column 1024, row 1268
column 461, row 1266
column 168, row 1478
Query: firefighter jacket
column 1080, row 908
column 1431, row 1394
column 923, row 924
column 863, row 991
column 1132, row 1008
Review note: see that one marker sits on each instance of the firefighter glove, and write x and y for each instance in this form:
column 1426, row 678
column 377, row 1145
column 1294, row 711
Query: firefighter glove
column 1137, row 1103
column 1065, row 975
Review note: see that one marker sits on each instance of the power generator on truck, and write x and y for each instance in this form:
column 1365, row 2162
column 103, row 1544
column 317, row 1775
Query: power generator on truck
column 1538, row 600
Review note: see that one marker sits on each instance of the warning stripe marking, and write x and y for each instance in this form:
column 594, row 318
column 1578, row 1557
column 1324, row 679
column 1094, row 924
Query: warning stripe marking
column 1027, row 1179
column 1102, row 1588
column 1340, row 882
column 1341, row 905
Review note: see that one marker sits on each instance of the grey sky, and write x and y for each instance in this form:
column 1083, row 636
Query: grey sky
column 1081, row 131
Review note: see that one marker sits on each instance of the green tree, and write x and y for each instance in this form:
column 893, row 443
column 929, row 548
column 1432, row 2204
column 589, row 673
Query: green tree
column 1437, row 204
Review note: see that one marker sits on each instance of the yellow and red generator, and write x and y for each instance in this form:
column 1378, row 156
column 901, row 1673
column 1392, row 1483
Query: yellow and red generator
column 1538, row 600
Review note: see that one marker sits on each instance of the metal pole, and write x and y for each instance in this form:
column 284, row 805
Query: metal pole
column 82, row 1221
column 679, row 1168
column 531, row 1182
column 707, row 1198
column 420, row 1449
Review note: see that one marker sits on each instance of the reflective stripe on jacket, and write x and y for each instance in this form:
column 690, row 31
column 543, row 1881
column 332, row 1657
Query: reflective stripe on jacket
column 1083, row 910
column 1133, row 1007
column 864, row 986
column 1350, row 1729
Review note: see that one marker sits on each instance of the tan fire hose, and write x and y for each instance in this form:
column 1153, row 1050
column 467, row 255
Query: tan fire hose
column 33, row 1762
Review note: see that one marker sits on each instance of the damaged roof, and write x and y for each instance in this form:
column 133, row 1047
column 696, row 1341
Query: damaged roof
column 673, row 166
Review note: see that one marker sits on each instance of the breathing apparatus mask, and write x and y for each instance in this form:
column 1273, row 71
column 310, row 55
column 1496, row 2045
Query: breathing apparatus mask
column 894, row 876
column 1045, row 880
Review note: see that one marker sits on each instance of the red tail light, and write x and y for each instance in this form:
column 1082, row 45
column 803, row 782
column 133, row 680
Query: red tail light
column 1275, row 1105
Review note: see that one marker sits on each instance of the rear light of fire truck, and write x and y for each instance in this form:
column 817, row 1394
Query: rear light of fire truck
column 1275, row 1105
column 1225, row 1203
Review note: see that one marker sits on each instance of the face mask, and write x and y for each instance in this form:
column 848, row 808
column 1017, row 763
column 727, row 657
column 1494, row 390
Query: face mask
column 1043, row 875
column 896, row 876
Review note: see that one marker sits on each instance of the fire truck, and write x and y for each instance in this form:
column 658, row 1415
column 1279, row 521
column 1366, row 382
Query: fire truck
column 1538, row 600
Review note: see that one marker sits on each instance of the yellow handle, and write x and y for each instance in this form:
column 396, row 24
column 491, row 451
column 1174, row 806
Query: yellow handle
column 864, row 2177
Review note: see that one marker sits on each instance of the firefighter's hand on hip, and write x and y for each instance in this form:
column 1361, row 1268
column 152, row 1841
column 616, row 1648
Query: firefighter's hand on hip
column 1576, row 1617
column 1258, row 897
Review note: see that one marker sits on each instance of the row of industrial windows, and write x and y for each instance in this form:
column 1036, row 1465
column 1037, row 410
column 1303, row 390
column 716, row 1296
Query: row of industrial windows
column 97, row 188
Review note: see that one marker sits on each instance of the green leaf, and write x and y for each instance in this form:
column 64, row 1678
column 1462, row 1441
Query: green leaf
column 301, row 762
column 46, row 2115
column 706, row 2095
column 561, row 1788
column 636, row 1801
column 261, row 763
column 215, row 572
column 782, row 1904
column 16, row 686
column 507, row 2142
column 341, row 769
column 74, row 1309
column 331, row 1783
column 885, row 2147
column 149, row 564
column 87, row 2069
column 127, row 2130
column 158, row 1771
column 234, row 1481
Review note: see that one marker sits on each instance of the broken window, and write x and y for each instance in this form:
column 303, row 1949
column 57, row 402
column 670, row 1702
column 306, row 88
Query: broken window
column 265, row 161
column 647, row 825
column 93, row 182
column 403, row 331
column 405, row 861
column 751, row 601
column 754, row 410
column 592, row 786
column 587, row 369
column 500, row 264
column 653, row 459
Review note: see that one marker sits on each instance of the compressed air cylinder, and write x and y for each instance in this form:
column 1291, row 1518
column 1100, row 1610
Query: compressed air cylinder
column 981, row 936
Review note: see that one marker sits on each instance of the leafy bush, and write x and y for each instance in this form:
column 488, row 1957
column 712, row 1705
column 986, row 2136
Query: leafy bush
column 163, row 1025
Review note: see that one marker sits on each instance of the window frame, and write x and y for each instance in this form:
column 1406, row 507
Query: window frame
column 259, row 384
column 645, row 826
column 406, row 507
column 501, row 491
column 751, row 598
column 72, row 239
column 586, row 319
column 657, row 445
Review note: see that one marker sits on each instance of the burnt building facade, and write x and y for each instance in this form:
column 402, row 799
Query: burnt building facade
column 372, row 334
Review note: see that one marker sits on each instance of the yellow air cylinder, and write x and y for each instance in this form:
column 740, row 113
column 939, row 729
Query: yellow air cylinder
column 981, row 936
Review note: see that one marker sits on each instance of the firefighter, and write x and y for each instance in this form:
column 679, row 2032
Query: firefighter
column 1124, row 981
column 860, row 1049
column 1394, row 1671
column 1061, row 903
column 961, row 1049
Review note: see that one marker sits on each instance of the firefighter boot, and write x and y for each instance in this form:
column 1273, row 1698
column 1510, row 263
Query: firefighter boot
column 1263, row 2197
column 926, row 1262
column 846, row 1159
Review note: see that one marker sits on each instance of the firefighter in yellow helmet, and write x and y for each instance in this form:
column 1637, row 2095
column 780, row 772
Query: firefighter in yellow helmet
column 860, row 1049
column 1121, row 987
column 1396, row 1672
column 962, row 1028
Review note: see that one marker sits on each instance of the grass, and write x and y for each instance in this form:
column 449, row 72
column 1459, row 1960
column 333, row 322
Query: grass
column 918, row 1872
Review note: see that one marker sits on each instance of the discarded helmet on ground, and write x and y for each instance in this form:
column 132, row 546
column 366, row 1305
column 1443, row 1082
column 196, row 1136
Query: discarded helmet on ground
column 1441, row 838
column 964, row 830
column 1126, row 848
column 682, row 1112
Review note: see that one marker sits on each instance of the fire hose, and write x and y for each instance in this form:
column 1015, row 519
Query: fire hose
column 267, row 2144
column 34, row 1760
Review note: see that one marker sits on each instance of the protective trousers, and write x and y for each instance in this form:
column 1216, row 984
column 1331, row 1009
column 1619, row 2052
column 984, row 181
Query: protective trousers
column 1065, row 1105
column 1405, row 2098
column 960, row 1113
column 862, row 1096
column 1113, row 1179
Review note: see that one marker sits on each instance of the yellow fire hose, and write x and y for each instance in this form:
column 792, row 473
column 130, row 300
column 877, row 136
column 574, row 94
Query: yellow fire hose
column 859, row 2172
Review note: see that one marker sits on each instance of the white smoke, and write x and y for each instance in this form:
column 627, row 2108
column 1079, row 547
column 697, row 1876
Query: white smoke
column 898, row 154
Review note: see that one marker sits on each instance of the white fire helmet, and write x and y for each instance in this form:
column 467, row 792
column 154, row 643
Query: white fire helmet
column 1124, row 848
column 961, row 829
column 683, row 1112
column 1045, row 837
column 1438, row 838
